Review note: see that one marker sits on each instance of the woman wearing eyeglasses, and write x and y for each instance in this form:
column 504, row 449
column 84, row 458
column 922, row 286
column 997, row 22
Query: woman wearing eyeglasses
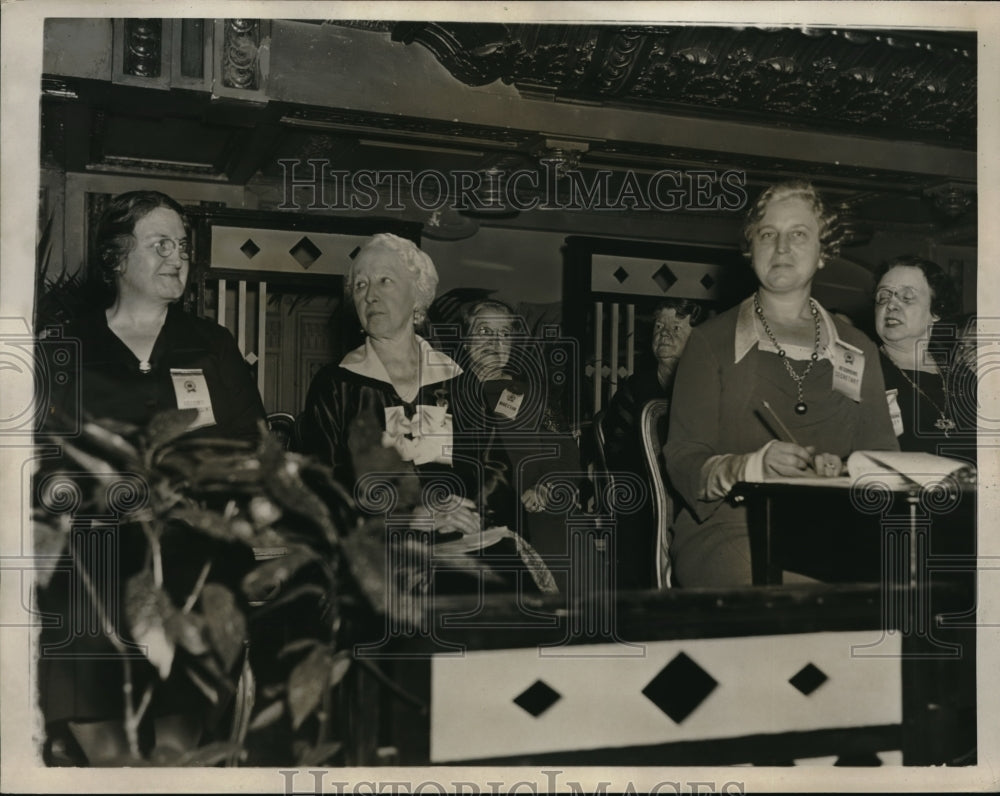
column 140, row 354
column 504, row 423
column 913, row 295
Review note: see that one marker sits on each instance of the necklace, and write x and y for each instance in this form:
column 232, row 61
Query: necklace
column 800, row 408
column 943, row 423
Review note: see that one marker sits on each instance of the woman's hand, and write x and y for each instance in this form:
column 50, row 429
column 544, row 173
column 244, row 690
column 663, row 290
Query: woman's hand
column 788, row 459
column 828, row 465
column 458, row 515
column 536, row 498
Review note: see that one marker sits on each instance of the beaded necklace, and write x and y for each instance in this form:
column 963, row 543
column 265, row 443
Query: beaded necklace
column 800, row 407
column 944, row 422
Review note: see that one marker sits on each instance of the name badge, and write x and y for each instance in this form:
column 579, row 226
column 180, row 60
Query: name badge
column 509, row 404
column 848, row 369
column 191, row 390
column 895, row 414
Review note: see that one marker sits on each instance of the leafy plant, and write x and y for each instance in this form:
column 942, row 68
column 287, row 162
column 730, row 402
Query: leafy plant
column 320, row 556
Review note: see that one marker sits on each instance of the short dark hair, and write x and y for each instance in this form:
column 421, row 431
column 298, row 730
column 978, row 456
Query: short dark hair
column 114, row 238
column 683, row 308
column 829, row 244
column 944, row 294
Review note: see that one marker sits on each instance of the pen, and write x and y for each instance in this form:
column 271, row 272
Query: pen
column 789, row 436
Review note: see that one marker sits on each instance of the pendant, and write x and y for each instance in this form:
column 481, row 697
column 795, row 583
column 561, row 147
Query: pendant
column 944, row 424
column 144, row 366
column 801, row 408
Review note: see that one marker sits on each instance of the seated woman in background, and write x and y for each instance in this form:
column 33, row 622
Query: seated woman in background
column 820, row 376
column 395, row 380
column 673, row 320
column 912, row 296
column 140, row 354
column 500, row 405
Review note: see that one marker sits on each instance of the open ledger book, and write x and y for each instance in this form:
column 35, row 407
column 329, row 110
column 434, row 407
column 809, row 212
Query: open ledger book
column 894, row 469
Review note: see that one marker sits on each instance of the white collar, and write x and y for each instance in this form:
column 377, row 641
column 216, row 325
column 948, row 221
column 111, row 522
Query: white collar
column 749, row 333
column 435, row 366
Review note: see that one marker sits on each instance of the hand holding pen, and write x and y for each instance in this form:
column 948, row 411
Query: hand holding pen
column 787, row 457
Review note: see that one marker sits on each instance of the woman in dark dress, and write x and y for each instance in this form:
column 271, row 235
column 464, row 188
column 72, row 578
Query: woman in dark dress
column 140, row 354
column 673, row 320
column 912, row 297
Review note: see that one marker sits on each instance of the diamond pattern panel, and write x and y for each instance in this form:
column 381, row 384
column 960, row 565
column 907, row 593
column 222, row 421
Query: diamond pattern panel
column 808, row 679
column 664, row 278
column 250, row 249
column 305, row 252
column 680, row 687
column 537, row 698
column 683, row 690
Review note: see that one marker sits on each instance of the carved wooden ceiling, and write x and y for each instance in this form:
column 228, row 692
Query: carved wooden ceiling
column 919, row 86
column 888, row 91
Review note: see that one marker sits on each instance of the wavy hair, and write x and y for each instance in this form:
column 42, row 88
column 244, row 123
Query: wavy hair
column 413, row 259
column 829, row 244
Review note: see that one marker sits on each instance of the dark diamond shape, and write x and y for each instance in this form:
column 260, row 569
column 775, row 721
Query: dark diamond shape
column 250, row 249
column 665, row 278
column 621, row 275
column 538, row 698
column 679, row 688
column 808, row 679
column 859, row 759
column 707, row 282
column 306, row 252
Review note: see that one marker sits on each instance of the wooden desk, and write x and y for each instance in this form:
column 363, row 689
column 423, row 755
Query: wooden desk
column 857, row 534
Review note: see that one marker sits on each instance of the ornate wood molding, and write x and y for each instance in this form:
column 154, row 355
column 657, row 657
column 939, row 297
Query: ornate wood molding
column 241, row 54
column 914, row 86
column 143, row 44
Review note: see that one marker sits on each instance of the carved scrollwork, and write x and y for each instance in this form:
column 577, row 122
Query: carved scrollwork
column 241, row 54
column 915, row 85
column 143, row 39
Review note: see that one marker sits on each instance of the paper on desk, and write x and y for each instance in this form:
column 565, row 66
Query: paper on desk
column 900, row 468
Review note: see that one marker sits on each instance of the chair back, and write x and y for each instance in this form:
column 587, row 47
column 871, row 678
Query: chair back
column 282, row 425
column 603, row 480
column 653, row 430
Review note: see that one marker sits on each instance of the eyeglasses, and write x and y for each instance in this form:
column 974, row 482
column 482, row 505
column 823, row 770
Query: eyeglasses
column 884, row 294
column 486, row 331
column 167, row 246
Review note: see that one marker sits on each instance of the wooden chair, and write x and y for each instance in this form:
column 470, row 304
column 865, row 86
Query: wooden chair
column 653, row 429
column 282, row 425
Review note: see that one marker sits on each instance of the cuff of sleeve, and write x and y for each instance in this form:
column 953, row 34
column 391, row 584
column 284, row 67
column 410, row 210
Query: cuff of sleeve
column 754, row 472
column 721, row 473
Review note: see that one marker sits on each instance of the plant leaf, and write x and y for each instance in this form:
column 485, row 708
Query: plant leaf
column 50, row 540
column 268, row 715
column 146, row 608
column 227, row 627
column 339, row 666
column 187, row 630
column 307, row 684
column 318, row 755
column 297, row 646
column 210, row 693
column 167, row 426
column 209, row 755
column 266, row 580
column 212, row 523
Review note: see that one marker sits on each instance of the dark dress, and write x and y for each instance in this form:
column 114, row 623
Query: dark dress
column 919, row 416
column 502, row 426
column 80, row 672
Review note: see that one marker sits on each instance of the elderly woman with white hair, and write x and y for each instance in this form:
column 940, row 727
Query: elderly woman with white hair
column 395, row 378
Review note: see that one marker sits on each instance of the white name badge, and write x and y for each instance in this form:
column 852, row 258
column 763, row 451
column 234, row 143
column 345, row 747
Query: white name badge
column 191, row 390
column 848, row 369
column 509, row 404
column 895, row 414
